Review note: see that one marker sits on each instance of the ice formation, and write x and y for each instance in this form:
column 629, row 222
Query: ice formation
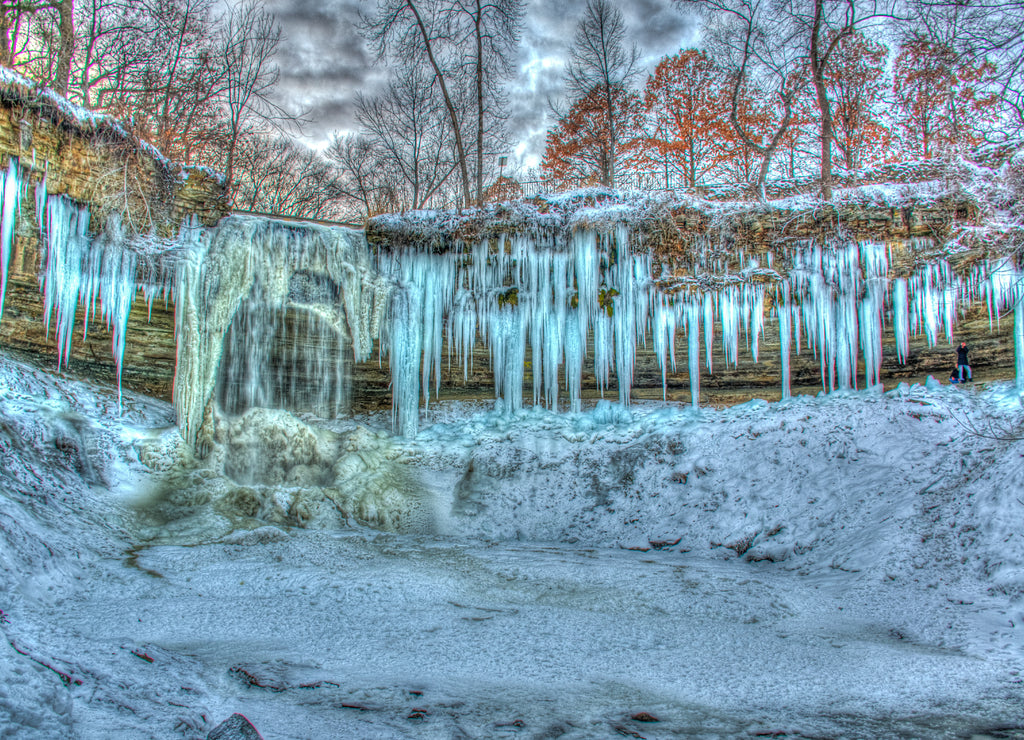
column 271, row 312
column 10, row 197
column 81, row 270
column 518, row 294
column 591, row 296
column 257, row 269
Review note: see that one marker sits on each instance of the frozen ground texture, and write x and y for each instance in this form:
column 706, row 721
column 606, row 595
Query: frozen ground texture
column 841, row 566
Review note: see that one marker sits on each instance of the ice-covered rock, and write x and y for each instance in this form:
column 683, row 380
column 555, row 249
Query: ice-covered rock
column 235, row 727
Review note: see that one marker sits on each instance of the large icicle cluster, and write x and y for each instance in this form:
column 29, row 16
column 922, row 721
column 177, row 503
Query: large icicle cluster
column 590, row 296
column 255, row 269
column 566, row 300
column 552, row 299
column 81, row 270
column 11, row 190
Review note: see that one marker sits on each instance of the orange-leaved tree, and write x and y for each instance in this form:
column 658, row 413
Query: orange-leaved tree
column 504, row 189
column 687, row 104
column 580, row 148
column 856, row 85
column 940, row 97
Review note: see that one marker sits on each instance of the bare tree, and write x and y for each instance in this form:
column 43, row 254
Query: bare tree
column 601, row 59
column 184, row 23
column 981, row 32
column 408, row 125
column 491, row 30
column 152, row 61
column 250, row 39
column 825, row 25
column 762, row 50
column 54, row 26
column 468, row 46
column 416, row 30
column 361, row 178
column 856, row 87
column 279, row 176
column 108, row 37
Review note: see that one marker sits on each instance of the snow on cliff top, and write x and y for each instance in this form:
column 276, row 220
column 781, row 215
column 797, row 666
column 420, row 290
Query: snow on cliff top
column 604, row 209
column 84, row 118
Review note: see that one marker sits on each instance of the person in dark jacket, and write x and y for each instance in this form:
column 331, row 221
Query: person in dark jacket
column 961, row 362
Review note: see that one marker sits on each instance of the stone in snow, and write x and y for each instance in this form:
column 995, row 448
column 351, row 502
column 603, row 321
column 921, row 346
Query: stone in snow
column 235, row 727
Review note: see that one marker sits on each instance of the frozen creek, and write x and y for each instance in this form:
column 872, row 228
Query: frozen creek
column 844, row 566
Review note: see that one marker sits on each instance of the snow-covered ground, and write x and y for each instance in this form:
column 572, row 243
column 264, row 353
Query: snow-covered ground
column 841, row 566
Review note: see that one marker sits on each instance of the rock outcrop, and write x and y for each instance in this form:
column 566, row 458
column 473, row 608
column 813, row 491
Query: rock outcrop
column 95, row 161
column 697, row 244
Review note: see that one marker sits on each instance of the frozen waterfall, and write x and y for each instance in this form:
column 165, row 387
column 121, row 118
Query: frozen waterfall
column 234, row 295
column 591, row 297
column 273, row 313
column 11, row 190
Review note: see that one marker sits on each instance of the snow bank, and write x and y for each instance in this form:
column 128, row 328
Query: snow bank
column 856, row 554
column 860, row 481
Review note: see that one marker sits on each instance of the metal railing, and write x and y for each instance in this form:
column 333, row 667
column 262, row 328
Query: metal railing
column 647, row 181
column 299, row 219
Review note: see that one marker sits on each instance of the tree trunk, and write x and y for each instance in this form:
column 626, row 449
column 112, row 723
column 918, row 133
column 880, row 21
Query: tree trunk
column 612, row 148
column 478, row 19
column 229, row 167
column 66, row 50
column 824, row 106
column 453, row 116
column 693, row 165
column 6, row 43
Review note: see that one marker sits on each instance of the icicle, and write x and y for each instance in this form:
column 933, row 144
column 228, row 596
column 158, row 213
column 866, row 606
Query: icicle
column 67, row 253
column 405, row 356
column 901, row 319
column 624, row 321
column 757, row 319
column 41, row 200
column 693, row 311
column 663, row 332
column 1018, row 332
column 574, row 348
column 10, row 198
column 117, row 293
column 709, row 329
column 728, row 308
column 508, row 339
column 784, row 338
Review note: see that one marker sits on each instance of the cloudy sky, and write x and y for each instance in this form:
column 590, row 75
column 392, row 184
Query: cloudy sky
column 324, row 62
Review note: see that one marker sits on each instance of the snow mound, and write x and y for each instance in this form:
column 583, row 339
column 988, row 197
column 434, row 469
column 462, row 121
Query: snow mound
column 269, row 466
column 854, row 480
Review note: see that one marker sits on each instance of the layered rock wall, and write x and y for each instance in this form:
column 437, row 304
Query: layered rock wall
column 93, row 160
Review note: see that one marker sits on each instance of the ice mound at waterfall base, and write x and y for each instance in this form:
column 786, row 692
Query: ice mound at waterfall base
column 856, row 557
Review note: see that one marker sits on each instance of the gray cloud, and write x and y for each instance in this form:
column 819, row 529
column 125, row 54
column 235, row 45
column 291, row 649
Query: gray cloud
column 325, row 63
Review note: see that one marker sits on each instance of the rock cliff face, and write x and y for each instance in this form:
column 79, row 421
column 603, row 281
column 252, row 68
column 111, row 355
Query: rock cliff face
column 992, row 357
column 699, row 244
column 94, row 161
